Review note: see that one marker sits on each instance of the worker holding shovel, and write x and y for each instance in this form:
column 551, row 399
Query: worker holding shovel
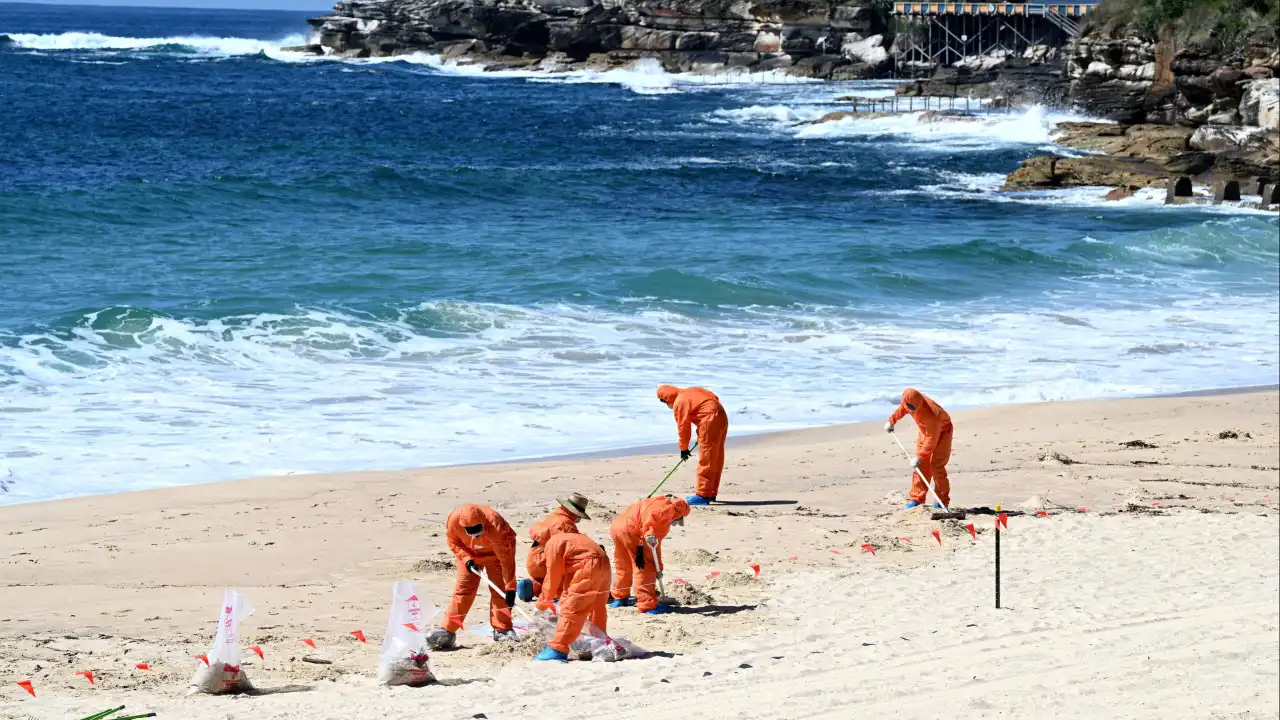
column 578, row 575
column 933, row 446
column 637, row 551
column 700, row 407
column 481, row 541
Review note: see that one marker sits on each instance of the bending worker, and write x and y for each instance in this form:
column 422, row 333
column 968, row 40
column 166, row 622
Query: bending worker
column 577, row 574
column 696, row 406
column 563, row 519
column 637, row 536
column 933, row 445
column 481, row 541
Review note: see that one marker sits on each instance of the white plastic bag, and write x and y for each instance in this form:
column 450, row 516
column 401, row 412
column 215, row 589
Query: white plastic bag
column 404, row 659
column 598, row 646
column 223, row 673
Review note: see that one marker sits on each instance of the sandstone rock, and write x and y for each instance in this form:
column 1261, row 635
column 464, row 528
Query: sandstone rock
column 1055, row 171
column 1145, row 140
column 1260, row 103
column 1119, row 193
column 1238, row 138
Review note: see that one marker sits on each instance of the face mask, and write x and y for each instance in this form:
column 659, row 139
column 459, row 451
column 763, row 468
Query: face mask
column 911, row 407
column 679, row 522
column 474, row 531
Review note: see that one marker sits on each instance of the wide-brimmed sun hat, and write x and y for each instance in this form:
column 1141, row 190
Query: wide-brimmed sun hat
column 576, row 504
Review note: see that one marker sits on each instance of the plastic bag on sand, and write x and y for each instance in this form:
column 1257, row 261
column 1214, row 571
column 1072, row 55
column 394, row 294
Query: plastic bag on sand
column 223, row 673
column 404, row 659
column 598, row 646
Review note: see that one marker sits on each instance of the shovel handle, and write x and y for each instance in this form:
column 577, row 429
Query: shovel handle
column 927, row 482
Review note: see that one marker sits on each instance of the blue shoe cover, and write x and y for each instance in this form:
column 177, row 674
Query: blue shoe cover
column 524, row 590
column 617, row 603
column 913, row 504
column 660, row 610
column 697, row 500
column 938, row 505
column 550, row 653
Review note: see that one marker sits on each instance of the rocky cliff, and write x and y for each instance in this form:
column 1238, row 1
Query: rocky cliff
column 815, row 38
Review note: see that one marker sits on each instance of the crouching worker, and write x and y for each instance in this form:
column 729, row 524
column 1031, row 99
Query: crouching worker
column 577, row 574
column 481, row 541
column 563, row 519
column 637, row 536
column 933, row 446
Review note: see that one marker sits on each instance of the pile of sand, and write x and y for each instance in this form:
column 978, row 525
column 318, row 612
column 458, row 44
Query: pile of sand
column 696, row 556
column 523, row 649
column 428, row 566
column 688, row 595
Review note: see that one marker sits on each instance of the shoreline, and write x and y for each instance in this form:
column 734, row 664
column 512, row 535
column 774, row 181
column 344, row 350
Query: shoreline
column 655, row 450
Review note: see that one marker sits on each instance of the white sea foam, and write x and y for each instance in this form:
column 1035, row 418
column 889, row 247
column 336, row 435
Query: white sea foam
column 207, row 45
column 176, row 401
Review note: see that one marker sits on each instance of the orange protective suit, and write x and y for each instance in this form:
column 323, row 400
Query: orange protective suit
column 696, row 406
column 651, row 516
column 558, row 521
column 494, row 551
column 577, row 574
column 933, row 444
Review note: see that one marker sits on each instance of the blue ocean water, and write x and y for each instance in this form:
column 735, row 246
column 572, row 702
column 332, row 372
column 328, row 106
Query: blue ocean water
column 221, row 260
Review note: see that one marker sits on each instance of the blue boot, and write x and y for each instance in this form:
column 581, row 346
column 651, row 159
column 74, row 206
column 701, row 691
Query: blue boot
column 550, row 653
column 622, row 602
column 913, row 504
column 524, row 590
column 660, row 610
column 698, row 500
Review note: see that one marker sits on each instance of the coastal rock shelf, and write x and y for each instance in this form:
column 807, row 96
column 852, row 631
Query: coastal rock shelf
column 811, row 38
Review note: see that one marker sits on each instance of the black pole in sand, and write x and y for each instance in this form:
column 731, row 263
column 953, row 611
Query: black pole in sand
column 997, row 557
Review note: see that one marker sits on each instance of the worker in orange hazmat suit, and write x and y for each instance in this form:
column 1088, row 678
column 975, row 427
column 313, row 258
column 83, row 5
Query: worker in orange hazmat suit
column 563, row 519
column 577, row 574
column 634, row 532
column 481, row 541
column 933, row 445
column 696, row 406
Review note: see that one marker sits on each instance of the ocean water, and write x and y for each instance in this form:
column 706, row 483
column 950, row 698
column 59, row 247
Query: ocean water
column 218, row 260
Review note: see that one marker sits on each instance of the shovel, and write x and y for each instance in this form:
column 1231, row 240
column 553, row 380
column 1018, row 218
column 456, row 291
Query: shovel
column 662, row 590
column 500, row 591
column 947, row 513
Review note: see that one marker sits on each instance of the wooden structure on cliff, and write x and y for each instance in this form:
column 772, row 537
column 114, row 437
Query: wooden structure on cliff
column 941, row 34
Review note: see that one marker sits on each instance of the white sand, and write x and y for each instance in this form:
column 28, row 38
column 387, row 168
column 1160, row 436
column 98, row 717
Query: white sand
column 1141, row 612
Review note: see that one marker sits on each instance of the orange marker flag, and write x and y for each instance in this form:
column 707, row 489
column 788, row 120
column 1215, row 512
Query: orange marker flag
column 835, row 552
column 714, row 574
column 794, row 557
column 258, row 649
column 143, row 666
column 205, row 658
column 26, row 685
column 867, row 547
column 414, row 628
column 88, row 675
column 309, row 643
column 1042, row 513
column 1002, row 520
column 936, row 536
column 681, row 581
column 358, row 634
column 972, row 530
column 907, row 541
column 756, row 568
column 1084, row 510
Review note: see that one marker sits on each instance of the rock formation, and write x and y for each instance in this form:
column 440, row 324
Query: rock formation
column 813, row 38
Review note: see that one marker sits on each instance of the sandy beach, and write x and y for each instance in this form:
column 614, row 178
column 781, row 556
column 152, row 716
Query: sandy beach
column 1150, row 589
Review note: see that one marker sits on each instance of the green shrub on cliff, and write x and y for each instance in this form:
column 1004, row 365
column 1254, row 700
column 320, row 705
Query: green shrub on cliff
column 1226, row 24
